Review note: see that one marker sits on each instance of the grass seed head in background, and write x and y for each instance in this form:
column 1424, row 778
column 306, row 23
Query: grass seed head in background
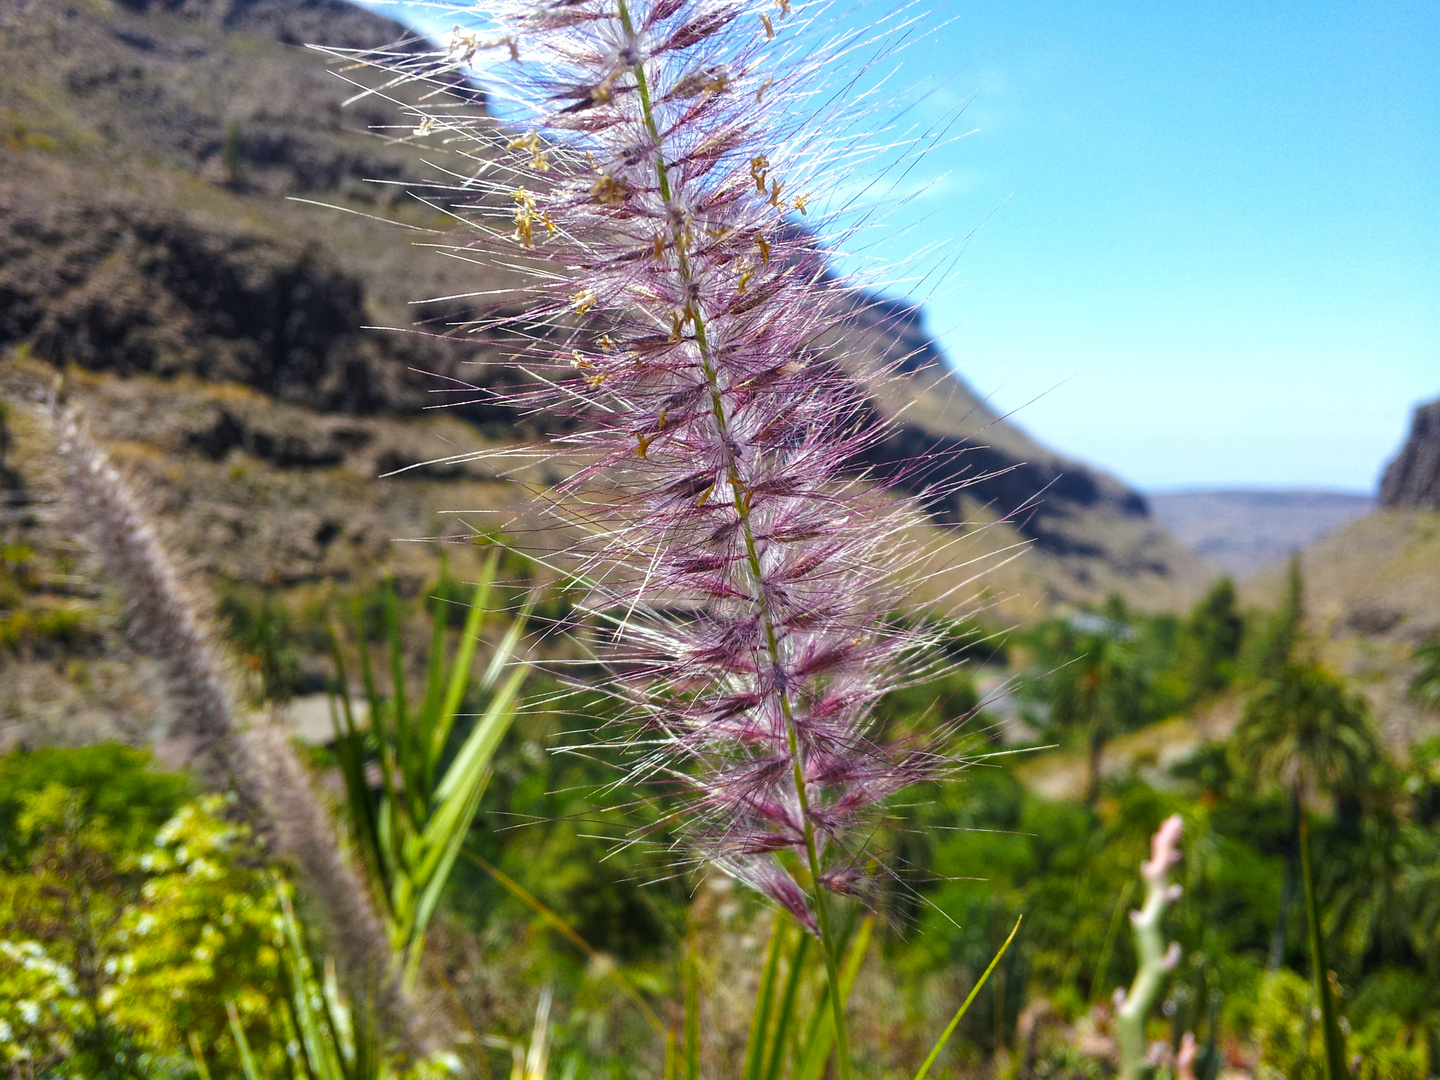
column 746, row 567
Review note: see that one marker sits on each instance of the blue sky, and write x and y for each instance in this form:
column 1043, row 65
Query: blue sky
column 1208, row 246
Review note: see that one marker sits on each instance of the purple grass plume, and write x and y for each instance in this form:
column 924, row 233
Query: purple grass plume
column 250, row 756
column 683, row 326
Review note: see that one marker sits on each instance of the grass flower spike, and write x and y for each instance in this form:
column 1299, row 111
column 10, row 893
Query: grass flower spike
column 749, row 568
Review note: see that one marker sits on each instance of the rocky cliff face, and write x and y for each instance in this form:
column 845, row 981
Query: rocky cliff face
column 1412, row 480
column 152, row 153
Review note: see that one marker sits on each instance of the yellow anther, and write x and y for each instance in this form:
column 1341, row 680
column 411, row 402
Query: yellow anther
column 746, row 273
column 801, row 201
column 609, row 190
column 427, row 125
column 764, row 249
column 784, row 6
column 776, row 186
column 531, row 143
column 763, row 87
column 594, row 376
column 603, row 92
column 644, row 441
column 659, row 247
column 606, row 343
column 759, row 166
column 769, row 27
column 526, row 217
column 584, row 300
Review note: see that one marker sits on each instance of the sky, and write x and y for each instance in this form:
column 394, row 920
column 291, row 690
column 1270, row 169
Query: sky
column 1198, row 243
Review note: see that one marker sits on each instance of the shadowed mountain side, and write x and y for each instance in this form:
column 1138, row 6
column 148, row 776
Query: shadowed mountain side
column 1412, row 480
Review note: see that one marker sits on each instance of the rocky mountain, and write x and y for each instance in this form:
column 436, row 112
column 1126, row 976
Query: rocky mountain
column 1413, row 478
column 1241, row 532
column 161, row 245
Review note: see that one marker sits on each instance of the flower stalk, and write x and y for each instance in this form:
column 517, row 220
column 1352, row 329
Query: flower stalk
column 738, row 492
column 745, row 567
column 251, row 757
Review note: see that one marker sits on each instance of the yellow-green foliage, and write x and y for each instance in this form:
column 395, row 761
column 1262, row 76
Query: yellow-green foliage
column 122, row 941
column 1288, row 1033
column 23, row 630
column 1385, row 1047
column 205, row 930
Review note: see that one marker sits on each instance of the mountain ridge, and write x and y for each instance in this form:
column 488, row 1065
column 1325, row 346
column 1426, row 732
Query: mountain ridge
column 210, row 325
column 1412, row 479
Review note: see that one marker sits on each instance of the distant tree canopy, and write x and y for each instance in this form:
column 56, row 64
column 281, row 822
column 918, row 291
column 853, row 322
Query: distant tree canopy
column 1213, row 634
column 1285, row 630
column 1307, row 732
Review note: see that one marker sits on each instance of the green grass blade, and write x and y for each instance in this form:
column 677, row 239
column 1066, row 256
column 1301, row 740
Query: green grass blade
column 482, row 742
column 350, row 750
column 430, row 712
column 197, row 1054
column 1335, row 1067
column 965, row 1005
column 460, row 667
column 785, row 1016
column 383, row 738
column 764, row 1000
column 406, row 760
column 437, row 872
column 432, row 854
column 1107, row 952
column 692, row 1013
column 822, row 1037
column 507, row 647
column 242, row 1044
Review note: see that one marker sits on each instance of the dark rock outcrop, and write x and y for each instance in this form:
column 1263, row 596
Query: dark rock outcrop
column 1412, row 480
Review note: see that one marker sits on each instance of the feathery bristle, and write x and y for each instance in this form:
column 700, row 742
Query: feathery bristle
column 748, row 571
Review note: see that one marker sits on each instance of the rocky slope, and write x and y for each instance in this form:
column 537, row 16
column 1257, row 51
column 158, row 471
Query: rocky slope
column 151, row 247
column 1413, row 479
column 1372, row 593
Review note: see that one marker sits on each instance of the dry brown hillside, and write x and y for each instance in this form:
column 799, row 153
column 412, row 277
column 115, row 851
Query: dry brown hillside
column 1372, row 593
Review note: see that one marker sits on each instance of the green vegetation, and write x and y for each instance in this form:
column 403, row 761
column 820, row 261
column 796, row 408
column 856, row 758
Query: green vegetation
column 1425, row 686
column 411, row 831
column 564, row 890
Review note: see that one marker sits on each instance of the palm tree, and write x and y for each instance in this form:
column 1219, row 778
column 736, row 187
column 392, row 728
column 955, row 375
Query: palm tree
column 1307, row 733
column 1425, row 686
column 1099, row 691
column 1375, row 906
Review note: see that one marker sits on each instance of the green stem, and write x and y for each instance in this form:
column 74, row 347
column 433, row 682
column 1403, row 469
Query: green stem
column 740, row 495
column 1335, row 1068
